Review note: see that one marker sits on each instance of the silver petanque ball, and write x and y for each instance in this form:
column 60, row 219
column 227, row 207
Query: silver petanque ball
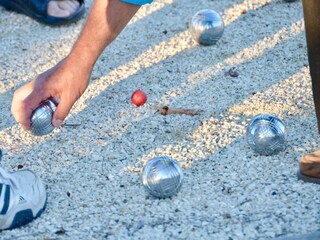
column 162, row 177
column 206, row 27
column 266, row 134
column 41, row 118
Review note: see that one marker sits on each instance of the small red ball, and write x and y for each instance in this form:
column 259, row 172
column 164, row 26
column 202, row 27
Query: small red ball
column 138, row 98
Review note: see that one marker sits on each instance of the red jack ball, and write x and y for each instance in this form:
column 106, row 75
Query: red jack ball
column 138, row 98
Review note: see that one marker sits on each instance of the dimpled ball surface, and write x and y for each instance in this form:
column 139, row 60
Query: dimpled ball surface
column 41, row 118
column 206, row 27
column 162, row 177
column 266, row 134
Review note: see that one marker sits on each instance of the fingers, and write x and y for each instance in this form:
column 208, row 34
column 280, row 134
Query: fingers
column 33, row 101
column 24, row 103
column 25, row 100
column 57, row 83
column 62, row 111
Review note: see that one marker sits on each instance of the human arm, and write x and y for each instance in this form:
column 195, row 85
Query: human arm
column 68, row 80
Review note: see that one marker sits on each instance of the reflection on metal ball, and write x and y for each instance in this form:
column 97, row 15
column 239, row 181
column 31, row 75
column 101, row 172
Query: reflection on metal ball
column 266, row 134
column 206, row 27
column 41, row 118
column 162, row 177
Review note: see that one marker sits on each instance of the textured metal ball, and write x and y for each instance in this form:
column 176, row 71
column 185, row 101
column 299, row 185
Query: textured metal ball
column 162, row 177
column 206, row 27
column 41, row 118
column 266, row 134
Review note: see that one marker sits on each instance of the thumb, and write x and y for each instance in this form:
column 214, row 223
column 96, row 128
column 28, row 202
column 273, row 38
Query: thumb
column 62, row 111
column 27, row 106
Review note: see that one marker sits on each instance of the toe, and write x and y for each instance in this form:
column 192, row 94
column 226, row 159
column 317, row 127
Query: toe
column 62, row 8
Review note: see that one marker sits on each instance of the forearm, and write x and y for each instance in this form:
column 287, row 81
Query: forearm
column 68, row 79
column 105, row 21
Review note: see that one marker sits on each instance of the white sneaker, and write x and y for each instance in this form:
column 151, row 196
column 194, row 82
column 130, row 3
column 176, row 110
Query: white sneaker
column 22, row 198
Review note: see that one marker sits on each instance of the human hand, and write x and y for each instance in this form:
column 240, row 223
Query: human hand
column 66, row 81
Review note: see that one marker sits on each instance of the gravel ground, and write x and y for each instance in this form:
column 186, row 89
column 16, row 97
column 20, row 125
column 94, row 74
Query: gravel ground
column 92, row 171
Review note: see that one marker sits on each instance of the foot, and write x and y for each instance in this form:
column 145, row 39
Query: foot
column 310, row 167
column 62, row 8
column 22, row 198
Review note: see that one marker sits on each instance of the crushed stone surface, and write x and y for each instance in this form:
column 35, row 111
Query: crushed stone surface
column 92, row 171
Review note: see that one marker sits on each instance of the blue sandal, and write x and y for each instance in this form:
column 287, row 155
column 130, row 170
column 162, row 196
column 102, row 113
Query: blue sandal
column 37, row 9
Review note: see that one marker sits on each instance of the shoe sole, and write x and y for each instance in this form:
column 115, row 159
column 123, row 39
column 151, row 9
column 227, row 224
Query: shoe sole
column 306, row 178
column 24, row 217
